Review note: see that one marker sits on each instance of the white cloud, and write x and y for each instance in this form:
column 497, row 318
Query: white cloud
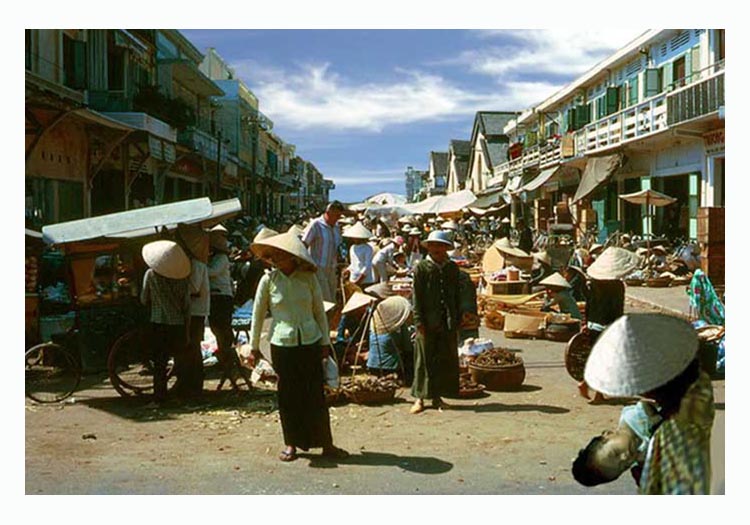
column 314, row 96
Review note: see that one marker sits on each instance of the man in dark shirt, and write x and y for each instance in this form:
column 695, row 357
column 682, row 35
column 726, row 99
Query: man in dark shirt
column 525, row 242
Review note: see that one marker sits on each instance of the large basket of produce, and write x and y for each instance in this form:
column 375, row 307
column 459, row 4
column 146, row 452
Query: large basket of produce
column 370, row 390
column 332, row 395
column 494, row 320
column 498, row 369
column 576, row 354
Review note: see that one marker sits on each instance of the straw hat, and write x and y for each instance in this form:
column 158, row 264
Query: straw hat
column 286, row 242
column 505, row 220
column 504, row 246
column 219, row 228
column 167, row 259
column 542, row 257
column 613, row 263
column 450, row 225
column 328, row 306
column 439, row 236
column 380, row 290
column 415, row 231
column 358, row 231
column 217, row 237
column 555, row 281
column 195, row 240
column 346, row 220
column 640, row 352
column 357, row 300
column 264, row 233
column 596, row 247
column 390, row 314
column 296, row 230
column 659, row 250
column 641, row 251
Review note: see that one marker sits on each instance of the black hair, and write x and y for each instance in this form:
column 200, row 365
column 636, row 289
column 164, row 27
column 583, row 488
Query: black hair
column 670, row 394
column 583, row 471
column 335, row 206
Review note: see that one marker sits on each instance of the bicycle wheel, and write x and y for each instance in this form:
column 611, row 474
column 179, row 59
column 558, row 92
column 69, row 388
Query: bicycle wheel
column 130, row 367
column 52, row 373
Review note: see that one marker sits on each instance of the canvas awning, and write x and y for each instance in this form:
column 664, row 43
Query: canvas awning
column 597, row 170
column 450, row 203
column 142, row 221
column 488, row 198
column 540, row 179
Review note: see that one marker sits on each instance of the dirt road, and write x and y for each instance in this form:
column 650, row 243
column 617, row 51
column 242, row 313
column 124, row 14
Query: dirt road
column 505, row 443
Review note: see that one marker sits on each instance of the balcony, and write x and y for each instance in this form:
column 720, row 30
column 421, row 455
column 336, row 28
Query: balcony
column 202, row 143
column 703, row 96
column 145, row 122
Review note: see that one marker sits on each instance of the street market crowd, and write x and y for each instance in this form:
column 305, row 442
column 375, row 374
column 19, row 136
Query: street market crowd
column 399, row 298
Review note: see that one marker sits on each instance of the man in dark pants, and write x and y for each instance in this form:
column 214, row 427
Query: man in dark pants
column 222, row 298
column 165, row 291
column 525, row 241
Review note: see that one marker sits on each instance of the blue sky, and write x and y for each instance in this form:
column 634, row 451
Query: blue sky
column 362, row 105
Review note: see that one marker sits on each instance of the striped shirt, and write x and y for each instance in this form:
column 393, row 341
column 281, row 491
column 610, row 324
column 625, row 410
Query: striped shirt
column 169, row 299
column 322, row 242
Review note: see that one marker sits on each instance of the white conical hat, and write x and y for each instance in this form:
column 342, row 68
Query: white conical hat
column 613, row 263
column 264, row 233
column 357, row 300
column 556, row 281
column 328, row 306
column 195, row 239
column 449, row 225
column 286, row 242
column 357, row 231
column 505, row 246
column 296, row 230
column 390, row 314
column 167, row 259
column 219, row 228
column 640, row 352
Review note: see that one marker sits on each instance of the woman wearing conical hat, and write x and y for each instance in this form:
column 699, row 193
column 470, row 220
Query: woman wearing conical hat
column 299, row 340
column 222, row 298
column 559, row 294
column 361, row 255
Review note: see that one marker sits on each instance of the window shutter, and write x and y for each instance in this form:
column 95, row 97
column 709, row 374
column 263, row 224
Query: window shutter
column 695, row 54
column 623, row 96
column 571, row 120
column 688, row 68
column 79, row 64
column 651, row 83
column 667, row 76
column 613, row 100
column 633, row 91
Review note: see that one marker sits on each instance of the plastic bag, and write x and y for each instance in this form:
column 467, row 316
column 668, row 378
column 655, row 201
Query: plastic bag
column 263, row 370
column 330, row 372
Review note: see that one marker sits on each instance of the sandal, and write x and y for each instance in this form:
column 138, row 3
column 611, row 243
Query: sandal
column 335, row 453
column 417, row 407
column 440, row 404
column 286, row 456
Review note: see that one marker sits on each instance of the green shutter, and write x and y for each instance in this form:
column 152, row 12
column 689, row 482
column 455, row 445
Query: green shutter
column 79, row 64
column 571, row 119
column 633, row 91
column 613, row 100
column 688, row 67
column 624, row 96
column 695, row 59
column 666, row 78
column 651, row 83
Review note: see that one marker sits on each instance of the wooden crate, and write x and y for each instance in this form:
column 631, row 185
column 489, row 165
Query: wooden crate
column 712, row 262
column 711, row 225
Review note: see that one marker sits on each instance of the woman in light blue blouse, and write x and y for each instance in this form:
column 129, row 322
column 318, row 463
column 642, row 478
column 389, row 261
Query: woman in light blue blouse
column 299, row 340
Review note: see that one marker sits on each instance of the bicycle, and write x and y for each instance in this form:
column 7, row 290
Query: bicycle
column 52, row 373
column 130, row 367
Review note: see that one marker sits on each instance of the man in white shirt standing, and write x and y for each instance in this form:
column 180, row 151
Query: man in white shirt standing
column 322, row 238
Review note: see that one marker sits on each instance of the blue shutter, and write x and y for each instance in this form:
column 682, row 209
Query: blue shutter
column 651, row 83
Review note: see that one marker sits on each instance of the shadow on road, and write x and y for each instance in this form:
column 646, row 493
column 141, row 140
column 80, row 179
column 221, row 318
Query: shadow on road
column 142, row 410
column 418, row 464
column 501, row 407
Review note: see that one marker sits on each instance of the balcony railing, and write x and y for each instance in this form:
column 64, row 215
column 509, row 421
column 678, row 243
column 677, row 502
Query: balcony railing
column 203, row 143
column 703, row 96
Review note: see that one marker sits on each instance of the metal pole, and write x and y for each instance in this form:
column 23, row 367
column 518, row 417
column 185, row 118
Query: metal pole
column 218, row 167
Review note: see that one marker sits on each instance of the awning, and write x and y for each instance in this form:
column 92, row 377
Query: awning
column 540, row 179
column 144, row 220
column 102, row 120
column 598, row 169
column 488, row 199
column 450, row 203
column 487, row 211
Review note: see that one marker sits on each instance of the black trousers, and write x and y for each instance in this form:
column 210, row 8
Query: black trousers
column 305, row 421
column 220, row 321
column 166, row 340
column 189, row 364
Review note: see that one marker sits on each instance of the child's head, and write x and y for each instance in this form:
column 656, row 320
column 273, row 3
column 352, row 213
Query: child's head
column 605, row 458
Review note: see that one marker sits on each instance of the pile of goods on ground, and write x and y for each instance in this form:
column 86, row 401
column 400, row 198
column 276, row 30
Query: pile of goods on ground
column 468, row 388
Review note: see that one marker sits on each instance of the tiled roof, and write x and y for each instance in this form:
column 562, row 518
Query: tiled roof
column 462, row 169
column 460, row 148
column 493, row 122
column 440, row 161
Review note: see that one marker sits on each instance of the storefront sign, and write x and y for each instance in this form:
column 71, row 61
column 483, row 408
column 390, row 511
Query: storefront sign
column 714, row 142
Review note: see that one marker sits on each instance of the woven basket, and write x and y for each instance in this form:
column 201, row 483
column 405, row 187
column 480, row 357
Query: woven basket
column 576, row 354
column 634, row 282
column 371, row 397
column 470, row 393
column 501, row 378
column 659, row 282
column 494, row 320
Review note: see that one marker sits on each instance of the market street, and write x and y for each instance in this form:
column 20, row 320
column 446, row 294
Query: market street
column 506, row 443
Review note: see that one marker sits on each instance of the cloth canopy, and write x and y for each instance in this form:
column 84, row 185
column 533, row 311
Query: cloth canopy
column 597, row 170
column 488, row 198
column 648, row 197
column 450, row 203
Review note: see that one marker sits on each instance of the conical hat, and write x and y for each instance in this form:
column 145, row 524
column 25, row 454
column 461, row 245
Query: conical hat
column 390, row 314
column 380, row 290
column 219, row 228
column 357, row 300
column 505, row 246
column 449, row 225
column 357, row 231
column 296, row 230
column 195, row 240
column 596, row 247
column 328, row 306
column 286, row 242
column 265, row 233
column 613, row 263
column 555, row 281
column 640, row 352
column 167, row 259
column 492, row 260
